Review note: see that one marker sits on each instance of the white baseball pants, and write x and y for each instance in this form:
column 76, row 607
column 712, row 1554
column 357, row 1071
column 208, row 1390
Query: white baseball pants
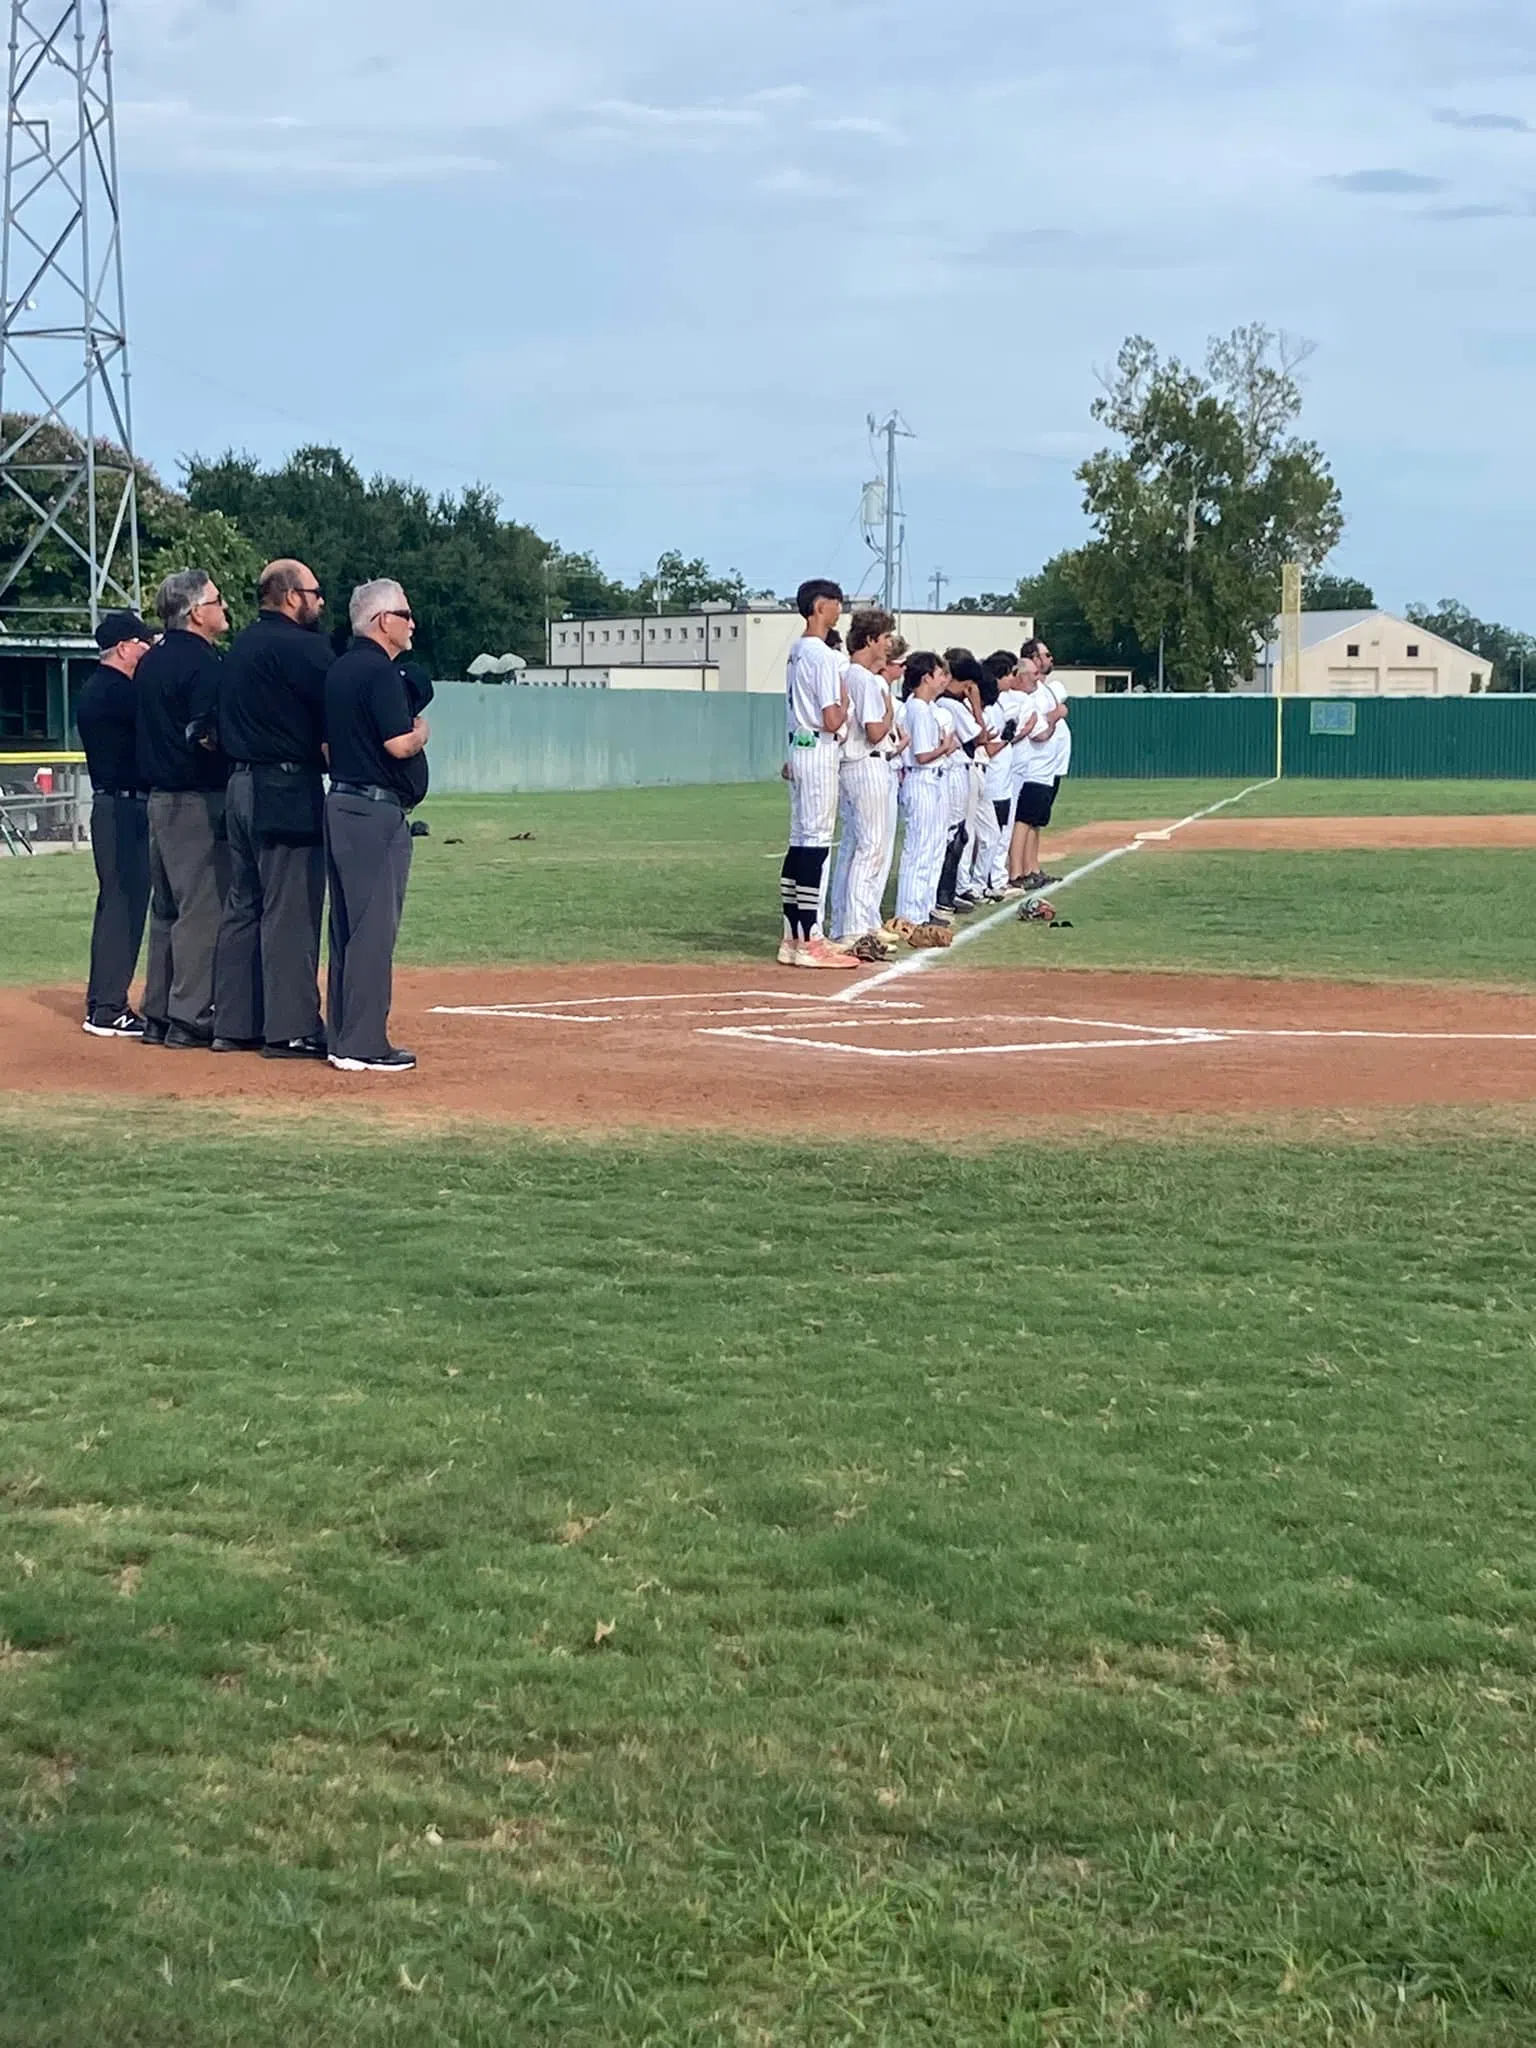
column 868, row 798
column 925, row 812
column 813, row 779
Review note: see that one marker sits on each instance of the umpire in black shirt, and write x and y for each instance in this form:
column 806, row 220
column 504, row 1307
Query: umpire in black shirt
column 185, row 773
column 378, row 771
column 271, row 726
column 106, row 718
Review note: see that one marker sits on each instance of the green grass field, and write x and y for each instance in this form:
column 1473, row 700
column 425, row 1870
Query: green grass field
column 1462, row 915
column 458, row 1590
column 507, row 1592
column 686, row 874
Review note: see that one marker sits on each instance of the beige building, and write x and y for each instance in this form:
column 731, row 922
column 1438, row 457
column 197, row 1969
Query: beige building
column 1374, row 654
column 745, row 649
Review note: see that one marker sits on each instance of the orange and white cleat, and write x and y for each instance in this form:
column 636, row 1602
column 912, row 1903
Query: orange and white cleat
column 822, row 953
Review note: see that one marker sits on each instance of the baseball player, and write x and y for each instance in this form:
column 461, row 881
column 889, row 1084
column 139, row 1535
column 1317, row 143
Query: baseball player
column 866, row 790
column 817, row 711
column 924, row 801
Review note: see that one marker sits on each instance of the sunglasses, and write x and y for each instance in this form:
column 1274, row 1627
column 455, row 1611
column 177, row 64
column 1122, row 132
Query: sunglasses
column 397, row 615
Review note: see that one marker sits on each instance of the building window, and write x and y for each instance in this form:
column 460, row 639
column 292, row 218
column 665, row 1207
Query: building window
column 1352, row 651
column 650, row 632
column 735, row 630
column 1413, row 651
column 605, row 632
column 666, row 632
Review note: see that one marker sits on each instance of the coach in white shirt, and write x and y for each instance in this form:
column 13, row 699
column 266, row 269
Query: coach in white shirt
column 817, row 708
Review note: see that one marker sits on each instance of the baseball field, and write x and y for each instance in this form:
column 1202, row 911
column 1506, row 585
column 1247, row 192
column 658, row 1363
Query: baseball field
column 996, row 1505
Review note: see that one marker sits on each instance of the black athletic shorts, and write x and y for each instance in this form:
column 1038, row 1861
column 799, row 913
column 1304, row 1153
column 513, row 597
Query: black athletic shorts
column 1034, row 804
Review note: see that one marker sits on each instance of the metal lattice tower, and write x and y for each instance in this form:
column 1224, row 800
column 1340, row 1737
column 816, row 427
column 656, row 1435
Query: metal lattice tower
column 68, row 496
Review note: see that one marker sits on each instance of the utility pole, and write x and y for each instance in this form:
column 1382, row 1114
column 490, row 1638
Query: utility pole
column 939, row 581
column 63, row 325
column 893, row 427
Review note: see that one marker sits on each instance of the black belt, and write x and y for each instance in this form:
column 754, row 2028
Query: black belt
column 375, row 792
column 136, row 795
column 288, row 767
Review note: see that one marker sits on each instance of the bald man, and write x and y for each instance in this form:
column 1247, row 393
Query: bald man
column 266, row 991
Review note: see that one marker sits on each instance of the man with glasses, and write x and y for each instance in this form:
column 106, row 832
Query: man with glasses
column 271, row 722
column 106, row 718
column 184, row 771
column 378, row 772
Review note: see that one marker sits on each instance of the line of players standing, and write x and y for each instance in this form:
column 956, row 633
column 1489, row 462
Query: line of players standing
column 970, row 761
column 210, row 813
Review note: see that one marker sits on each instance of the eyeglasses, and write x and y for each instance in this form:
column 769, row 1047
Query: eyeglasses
column 309, row 590
column 204, row 602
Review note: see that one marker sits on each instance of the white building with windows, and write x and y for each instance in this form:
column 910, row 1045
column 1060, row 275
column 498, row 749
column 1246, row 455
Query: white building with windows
column 1374, row 654
column 717, row 648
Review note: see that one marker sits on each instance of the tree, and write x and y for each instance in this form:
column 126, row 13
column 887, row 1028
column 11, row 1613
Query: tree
column 1511, row 654
column 478, row 583
column 1053, row 598
column 1208, row 494
column 679, row 585
column 989, row 601
column 1323, row 591
column 172, row 535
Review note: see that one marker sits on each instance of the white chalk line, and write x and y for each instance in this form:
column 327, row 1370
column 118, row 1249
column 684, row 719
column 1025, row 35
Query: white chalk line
column 579, row 1010
column 1156, row 1038
column 936, row 958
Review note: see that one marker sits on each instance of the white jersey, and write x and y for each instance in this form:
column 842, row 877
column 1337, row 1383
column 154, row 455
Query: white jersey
column 1059, row 748
column 866, row 706
column 1011, row 704
column 925, row 732
column 813, row 681
column 1033, row 758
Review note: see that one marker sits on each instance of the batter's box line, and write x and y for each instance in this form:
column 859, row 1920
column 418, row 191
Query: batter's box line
column 600, row 1009
column 759, row 1036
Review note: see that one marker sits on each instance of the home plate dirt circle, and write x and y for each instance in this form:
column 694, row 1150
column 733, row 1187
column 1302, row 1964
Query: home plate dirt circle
column 949, row 1053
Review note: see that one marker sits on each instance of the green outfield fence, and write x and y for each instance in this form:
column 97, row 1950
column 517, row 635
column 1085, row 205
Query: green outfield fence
column 1395, row 738
column 487, row 739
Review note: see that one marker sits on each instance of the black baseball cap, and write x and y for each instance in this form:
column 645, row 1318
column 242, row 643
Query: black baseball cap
column 117, row 627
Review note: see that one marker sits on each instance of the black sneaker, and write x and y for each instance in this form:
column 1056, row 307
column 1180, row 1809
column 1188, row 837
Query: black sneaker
column 186, row 1038
column 103, row 1024
column 1046, row 880
column 295, row 1049
column 155, row 1029
column 236, row 1045
column 396, row 1061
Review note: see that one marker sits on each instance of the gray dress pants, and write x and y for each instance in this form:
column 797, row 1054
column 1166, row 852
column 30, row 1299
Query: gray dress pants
column 189, row 878
column 368, row 862
column 266, row 978
column 120, row 849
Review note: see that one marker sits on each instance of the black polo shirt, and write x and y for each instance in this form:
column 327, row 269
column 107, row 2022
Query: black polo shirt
column 272, row 693
column 106, row 717
column 178, row 696
column 366, row 703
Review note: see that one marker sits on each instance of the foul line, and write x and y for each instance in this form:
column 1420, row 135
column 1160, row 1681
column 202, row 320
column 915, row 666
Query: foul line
column 920, row 961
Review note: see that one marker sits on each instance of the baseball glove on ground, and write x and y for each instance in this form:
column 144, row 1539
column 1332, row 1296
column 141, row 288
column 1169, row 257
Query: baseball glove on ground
column 1037, row 910
column 871, row 949
column 926, row 935
column 898, row 928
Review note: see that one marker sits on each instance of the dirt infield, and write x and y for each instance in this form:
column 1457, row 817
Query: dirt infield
column 1229, row 834
column 943, row 1053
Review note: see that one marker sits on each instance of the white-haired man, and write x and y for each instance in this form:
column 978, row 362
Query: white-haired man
column 377, row 775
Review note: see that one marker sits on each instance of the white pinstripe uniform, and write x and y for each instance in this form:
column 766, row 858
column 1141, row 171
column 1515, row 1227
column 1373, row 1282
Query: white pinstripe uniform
column 999, row 786
column 867, row 804
column 925, row 811
column 813, row 682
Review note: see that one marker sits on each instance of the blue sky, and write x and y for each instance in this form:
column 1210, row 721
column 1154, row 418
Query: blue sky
column 644, row 268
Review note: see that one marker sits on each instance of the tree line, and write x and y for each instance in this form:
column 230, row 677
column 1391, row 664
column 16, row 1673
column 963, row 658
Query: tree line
column 1204, row 491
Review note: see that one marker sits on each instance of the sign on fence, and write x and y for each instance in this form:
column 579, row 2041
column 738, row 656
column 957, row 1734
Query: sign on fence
column 1338, row 719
